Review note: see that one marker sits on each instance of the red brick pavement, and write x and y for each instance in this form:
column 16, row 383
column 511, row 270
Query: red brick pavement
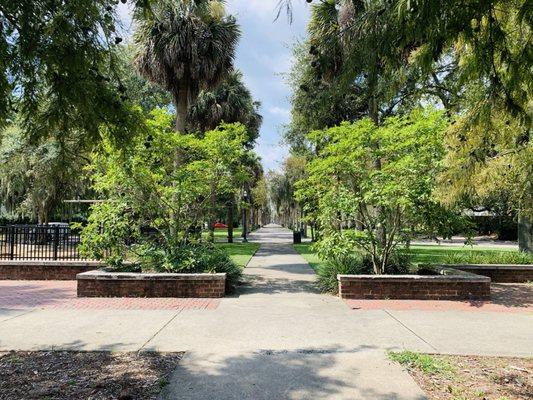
column 508, row 298
column 62, row 295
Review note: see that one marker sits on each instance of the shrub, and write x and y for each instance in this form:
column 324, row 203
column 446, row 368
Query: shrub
column 488, row 257
column 197, row 257
column 357, row 264
column 342, row 265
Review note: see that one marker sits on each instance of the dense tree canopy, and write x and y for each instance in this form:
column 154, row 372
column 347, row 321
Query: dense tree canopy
column 356, row 202
column 185, row 47
column 471, row 58
column 57, row 68
column 229, row 102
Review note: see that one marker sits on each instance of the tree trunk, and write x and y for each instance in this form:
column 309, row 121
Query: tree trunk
column 213, row 202
column 229, row 221
column 181, row 102
column 525, row 234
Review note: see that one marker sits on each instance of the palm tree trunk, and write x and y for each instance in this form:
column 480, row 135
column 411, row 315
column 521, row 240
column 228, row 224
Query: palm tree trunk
column 181, row 102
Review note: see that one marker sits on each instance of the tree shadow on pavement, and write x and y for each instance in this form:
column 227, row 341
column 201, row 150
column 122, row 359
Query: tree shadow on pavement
column 512, row 294
column 325, row 373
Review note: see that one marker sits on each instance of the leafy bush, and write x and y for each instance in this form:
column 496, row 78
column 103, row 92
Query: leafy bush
column 488, row 257
column 354, row 264
column 197, row 257
column 357, row 264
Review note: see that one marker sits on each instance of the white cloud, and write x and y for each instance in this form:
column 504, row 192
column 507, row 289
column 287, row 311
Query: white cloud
column 282, row 112
column 272, row 155
column 262, row 8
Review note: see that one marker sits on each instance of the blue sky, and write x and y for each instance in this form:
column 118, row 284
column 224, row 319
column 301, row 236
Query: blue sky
column 264, row 55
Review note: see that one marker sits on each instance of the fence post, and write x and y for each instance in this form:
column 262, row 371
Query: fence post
column 12, row 242
column 56, row 241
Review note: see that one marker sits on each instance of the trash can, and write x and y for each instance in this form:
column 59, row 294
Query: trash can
column 296, row 237
column 303, row 232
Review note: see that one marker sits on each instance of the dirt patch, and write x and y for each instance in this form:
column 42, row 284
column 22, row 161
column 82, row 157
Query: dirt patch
column 483, row 378
column 62, row 375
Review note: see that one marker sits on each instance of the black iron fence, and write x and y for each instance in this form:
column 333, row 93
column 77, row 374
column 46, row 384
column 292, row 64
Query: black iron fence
column 38, row 242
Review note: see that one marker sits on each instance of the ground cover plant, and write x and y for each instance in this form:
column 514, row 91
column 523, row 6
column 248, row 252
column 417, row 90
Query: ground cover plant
column 58, row 375
column 488, row 257
column 469, row 377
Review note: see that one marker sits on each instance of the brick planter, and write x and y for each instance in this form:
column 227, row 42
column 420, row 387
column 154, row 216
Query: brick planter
column 45, row 270
column 449, row 285
column 101, row 283
column 502, row 273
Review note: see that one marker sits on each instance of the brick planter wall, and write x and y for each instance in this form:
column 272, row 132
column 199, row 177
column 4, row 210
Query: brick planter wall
column 120, row 284
column 45, row 270
column 509, row 273
column 460, row 285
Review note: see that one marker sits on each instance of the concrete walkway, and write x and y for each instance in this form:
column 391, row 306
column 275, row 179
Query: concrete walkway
column 278, row 338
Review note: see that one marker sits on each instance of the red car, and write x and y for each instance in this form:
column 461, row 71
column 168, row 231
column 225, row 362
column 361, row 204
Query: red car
column 220, row 225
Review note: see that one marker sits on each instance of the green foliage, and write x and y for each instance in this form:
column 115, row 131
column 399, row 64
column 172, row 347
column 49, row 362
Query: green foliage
column 487, row 257
column 356, row 263
column 140, row 91
column 282, row 188
column 426, row 363
column 373, row 185
column 473, row 57
column 154, row 205
column 57, row 69
column 488, row 161
column 229, row 102
column 184, row 47
column 110, row 230
column 352, row 264
column 193, row 257
column 35, row 176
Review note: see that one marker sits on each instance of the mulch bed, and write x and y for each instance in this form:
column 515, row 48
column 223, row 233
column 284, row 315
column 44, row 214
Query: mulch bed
column 55, row 375
column 480, row 378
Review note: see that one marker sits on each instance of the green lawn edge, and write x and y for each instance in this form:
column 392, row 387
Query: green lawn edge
column 240, row 253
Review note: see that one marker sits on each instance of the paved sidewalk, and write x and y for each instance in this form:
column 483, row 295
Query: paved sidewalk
column 278, row 338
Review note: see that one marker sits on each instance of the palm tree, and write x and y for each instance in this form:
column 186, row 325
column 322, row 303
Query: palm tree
column 185, row 46
column 230, row 101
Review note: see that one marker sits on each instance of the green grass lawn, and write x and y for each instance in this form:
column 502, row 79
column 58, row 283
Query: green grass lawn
column 240, row 253
column 223, row 233
column 436, row 254
column 309, row 255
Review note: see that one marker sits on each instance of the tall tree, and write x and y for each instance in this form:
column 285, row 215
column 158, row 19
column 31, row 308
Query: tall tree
column 185, row 46
column 139, row 90
column 36, row 176
column 229, row 102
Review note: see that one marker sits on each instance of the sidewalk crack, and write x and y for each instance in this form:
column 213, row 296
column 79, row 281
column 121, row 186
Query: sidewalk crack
column 412, row 331
column 159, row 330
column 19, row 315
